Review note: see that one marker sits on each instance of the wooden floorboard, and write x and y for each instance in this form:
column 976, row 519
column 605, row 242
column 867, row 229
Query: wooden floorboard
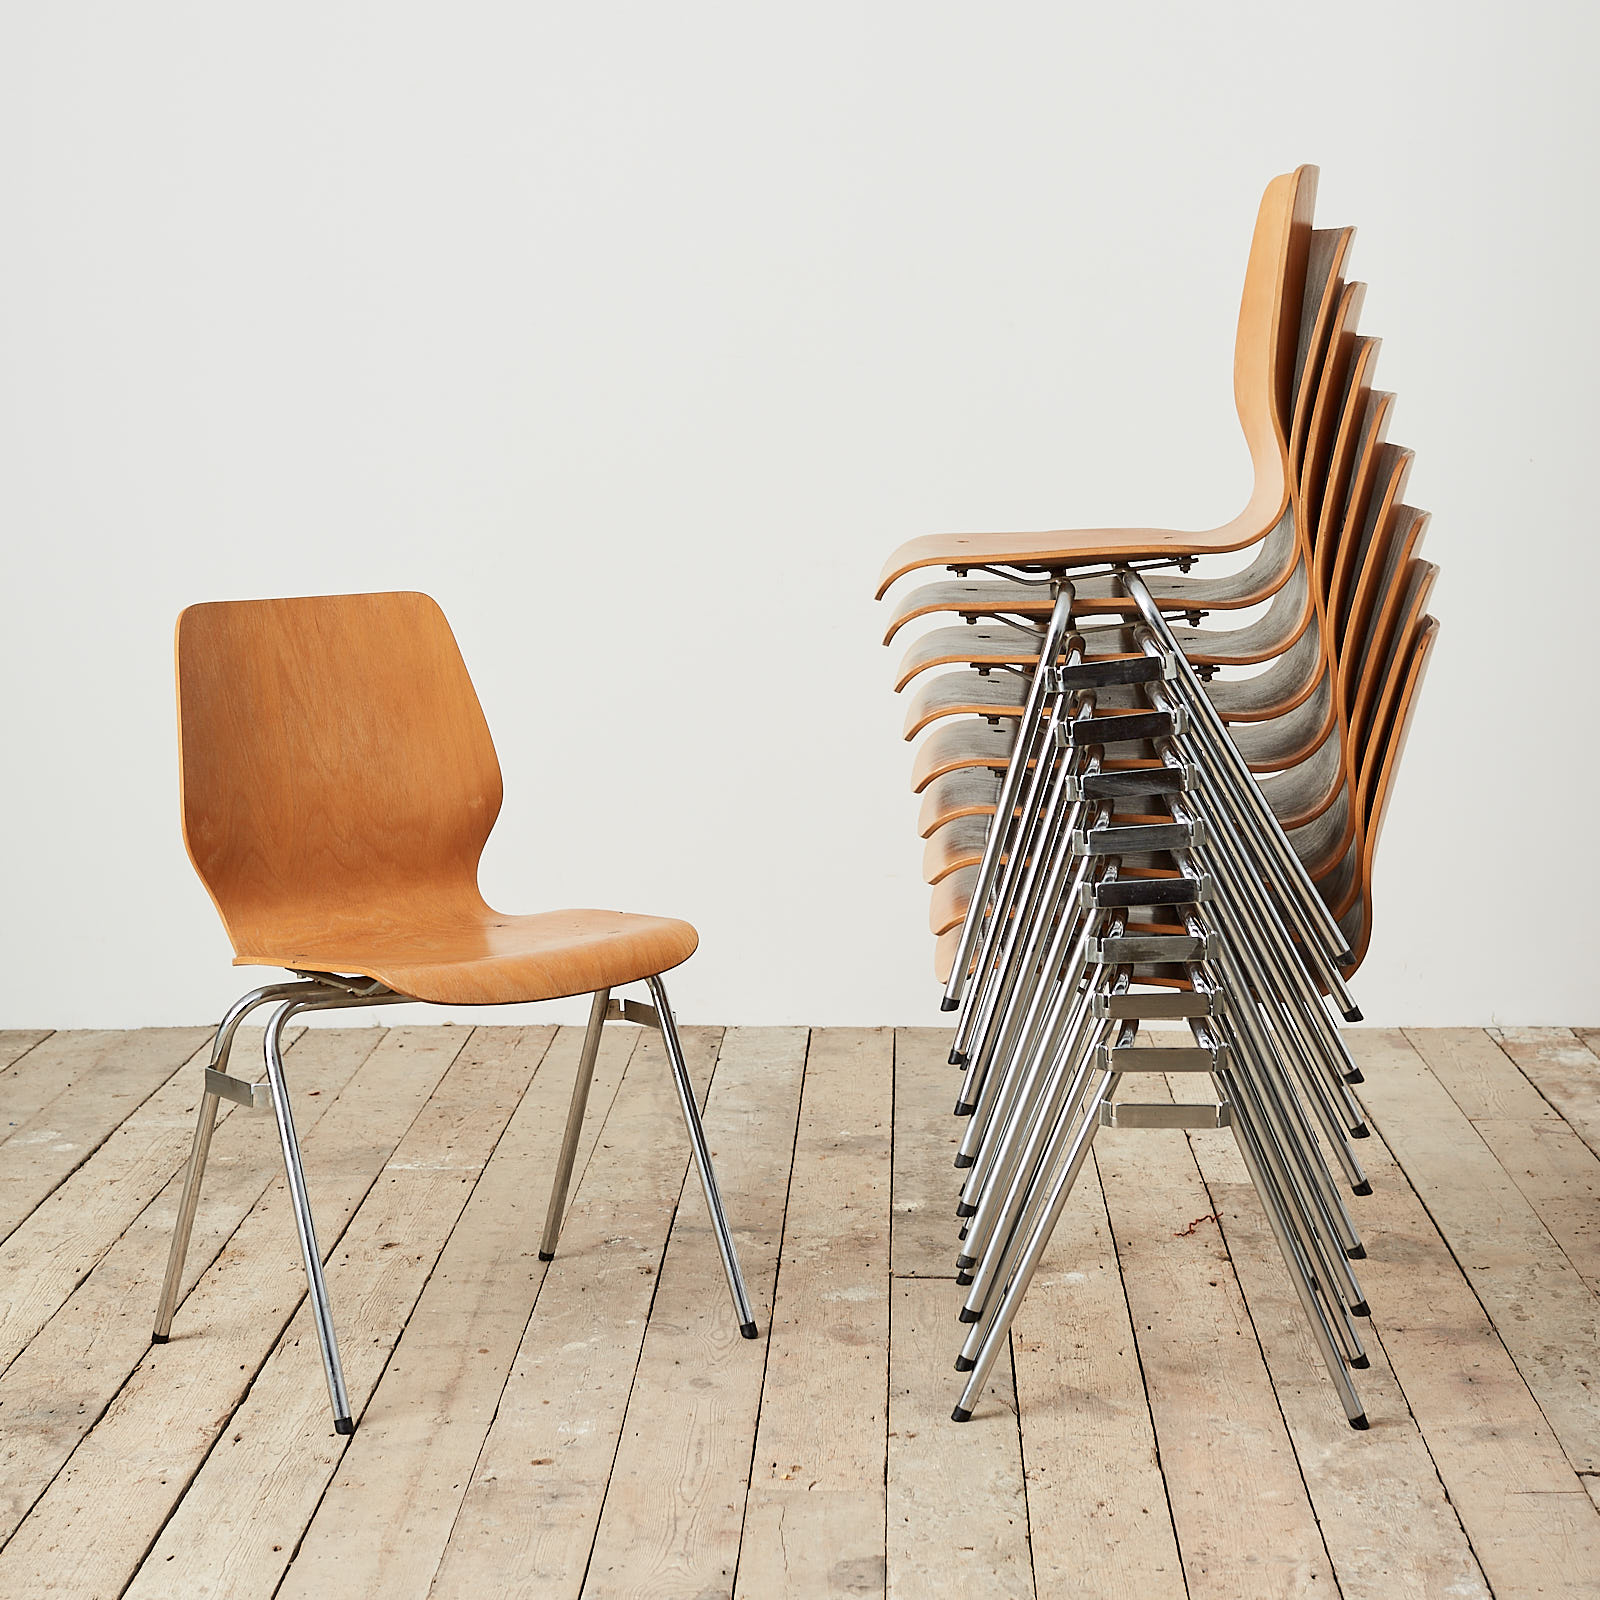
column 1159, row 1429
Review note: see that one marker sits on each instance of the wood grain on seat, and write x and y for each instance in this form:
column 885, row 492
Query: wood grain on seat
column 339, row 784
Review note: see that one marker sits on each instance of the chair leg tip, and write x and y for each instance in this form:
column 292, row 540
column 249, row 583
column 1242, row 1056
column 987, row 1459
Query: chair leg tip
column 965, row 1363
column 1357, row 1252
column 344, row 1425
column 963, row 1162
column 748, row 1330
column 965, row 1208
column 1360, row 1309
column 1354, row 1015
column 1360, row 1422
column 160, row 1338
column 547, row 1255
column 958, row 1058
column 1361, row 1131
column 1363, row 1188
column 963, row 1109
column 968, row 1314
column 947, row 1004
column 961, row 1414
column 1361, row 1362
column 965, row 1263
column 964, row 1279
column 1355, row 1075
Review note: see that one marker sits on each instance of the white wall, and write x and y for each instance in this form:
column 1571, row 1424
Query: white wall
column 639, row 334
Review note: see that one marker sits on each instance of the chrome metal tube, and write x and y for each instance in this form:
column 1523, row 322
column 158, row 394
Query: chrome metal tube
column 574, row 1129
column 702, row 1158
column 1027, row 730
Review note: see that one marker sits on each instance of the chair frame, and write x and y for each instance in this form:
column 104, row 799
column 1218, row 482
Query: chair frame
column 326, row 991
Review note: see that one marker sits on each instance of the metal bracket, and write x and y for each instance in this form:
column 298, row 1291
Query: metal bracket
column 1155, row 666
column 1120, row 727
column 1126, row 1114
column 1162, row 1058
column 633, row 1011
column 1139, row 838
column 1163, row 1007
column 1195, row 890
column 1130, row 949
column 1121, row 783
column 254, row 1096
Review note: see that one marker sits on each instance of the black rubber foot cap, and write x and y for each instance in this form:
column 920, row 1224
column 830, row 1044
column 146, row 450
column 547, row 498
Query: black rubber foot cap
column 962, row 1234
column 1355, row 1075
column 964, row 1279
column 963, row 1162
column 1362, row 1361
column 968, row 1314
column 947, row 1004
column 1359, row 1422
column 1357, row 1252
column 748, row 1330
column 343, row 1425
column 963, row 1109
column 159, row 1338
column 966, row 1263
column 958, row 1058
column 547, row 1257
column 964, row 1208
column 1364, row 1187
column 1360, row 1309
column 960, row 1415
column 965, row 1364
column 1361, row 1131
column 1354, row 1015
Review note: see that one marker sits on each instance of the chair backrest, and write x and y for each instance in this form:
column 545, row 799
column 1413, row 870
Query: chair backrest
column 1356, row 921
column 1268, row 339
column 335, row 762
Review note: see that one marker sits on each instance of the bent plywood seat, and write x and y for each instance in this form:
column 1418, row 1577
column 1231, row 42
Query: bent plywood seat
column 1265, row 356
column 339, row 786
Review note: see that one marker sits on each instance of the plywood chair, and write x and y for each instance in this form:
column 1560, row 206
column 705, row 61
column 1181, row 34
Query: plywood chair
column 1266, row 353
column 339, row 785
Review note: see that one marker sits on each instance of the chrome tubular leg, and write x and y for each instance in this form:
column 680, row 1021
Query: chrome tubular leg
column 574, row 1129
column 1011, row 784
column 221, row 1046
column 185, row 1225
column 1309, row 1303
column 1018, row 956
column 321, row 1311
column 978, row 1355
column 702, row 1159
column 1019, row 858
column 1001, row 1209
column 1052, row 907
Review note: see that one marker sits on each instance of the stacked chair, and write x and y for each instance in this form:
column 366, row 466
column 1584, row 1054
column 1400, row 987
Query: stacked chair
column 1115, row 834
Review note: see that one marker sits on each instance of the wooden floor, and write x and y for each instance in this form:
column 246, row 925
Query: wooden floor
column 597, row 1427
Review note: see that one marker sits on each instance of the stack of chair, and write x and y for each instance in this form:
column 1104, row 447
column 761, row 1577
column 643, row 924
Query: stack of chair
column 1115, row 834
